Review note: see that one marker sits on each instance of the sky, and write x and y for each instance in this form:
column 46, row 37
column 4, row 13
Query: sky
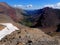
column 33, row 4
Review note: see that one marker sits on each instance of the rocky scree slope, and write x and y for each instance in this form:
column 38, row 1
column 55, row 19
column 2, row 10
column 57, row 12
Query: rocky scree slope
column 28, row 36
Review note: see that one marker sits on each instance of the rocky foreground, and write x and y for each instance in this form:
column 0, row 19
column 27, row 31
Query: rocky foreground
column 29, row 36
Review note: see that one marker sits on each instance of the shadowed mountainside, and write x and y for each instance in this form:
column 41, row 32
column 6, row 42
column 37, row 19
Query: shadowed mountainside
column 47, row 19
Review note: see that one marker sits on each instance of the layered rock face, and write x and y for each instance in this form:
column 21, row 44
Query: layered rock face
column 10, row 11
column 7, row 10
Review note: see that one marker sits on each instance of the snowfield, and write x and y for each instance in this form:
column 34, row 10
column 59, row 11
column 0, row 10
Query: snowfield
column 7, row 30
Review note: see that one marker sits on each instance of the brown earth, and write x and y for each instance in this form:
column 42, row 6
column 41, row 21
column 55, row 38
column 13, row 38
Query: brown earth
column 1, row 27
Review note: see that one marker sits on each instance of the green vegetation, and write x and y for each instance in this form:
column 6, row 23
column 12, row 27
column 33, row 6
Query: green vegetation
column 26, row 22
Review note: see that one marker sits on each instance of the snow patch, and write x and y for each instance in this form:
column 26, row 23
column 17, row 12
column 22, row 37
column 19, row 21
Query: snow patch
column 7, row 30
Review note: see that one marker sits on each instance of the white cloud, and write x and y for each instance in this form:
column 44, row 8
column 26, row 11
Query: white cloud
column 18, row 5
column 57, row 5
column 48, row 5
column 29, row 6
column 23, row 6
